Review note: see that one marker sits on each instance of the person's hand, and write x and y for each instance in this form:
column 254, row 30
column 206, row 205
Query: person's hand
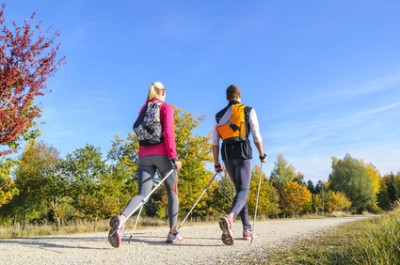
column 218, row 168
column 263, row 158
column 178, row 165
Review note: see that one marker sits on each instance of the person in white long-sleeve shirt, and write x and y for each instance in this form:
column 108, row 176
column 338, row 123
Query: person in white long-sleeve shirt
column 233, row 125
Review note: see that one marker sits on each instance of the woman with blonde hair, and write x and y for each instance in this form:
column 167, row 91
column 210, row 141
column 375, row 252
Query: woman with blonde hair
column 157, row 152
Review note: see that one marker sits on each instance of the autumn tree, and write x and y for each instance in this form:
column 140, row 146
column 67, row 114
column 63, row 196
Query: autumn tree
column 223, row 194
column 27, row 59
column 375, row 177
column 282, row 174
column 7, row 186
column 194, row 152
column 320, row 197
column 120, row 182
column 337, row 201
column 317, row 203
column 268, row 201
column 350, row 176
column 297, row 199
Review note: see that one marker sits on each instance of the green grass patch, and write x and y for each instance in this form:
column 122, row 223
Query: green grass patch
column 373, row 241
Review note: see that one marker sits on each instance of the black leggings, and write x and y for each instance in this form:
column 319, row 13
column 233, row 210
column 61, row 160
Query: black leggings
column 239, row 171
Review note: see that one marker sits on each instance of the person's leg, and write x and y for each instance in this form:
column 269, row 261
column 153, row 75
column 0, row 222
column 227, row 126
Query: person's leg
column 226, row 222
column 171, row 183
column 243, row 192
column 146, row 173
column 240, row 173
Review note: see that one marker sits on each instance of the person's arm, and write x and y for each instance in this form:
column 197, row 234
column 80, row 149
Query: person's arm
column 262, row 155
column 255, row 131
column 215, row 150
column 169, row 135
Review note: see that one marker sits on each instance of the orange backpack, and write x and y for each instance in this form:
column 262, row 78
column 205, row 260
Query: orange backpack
column 235, row 128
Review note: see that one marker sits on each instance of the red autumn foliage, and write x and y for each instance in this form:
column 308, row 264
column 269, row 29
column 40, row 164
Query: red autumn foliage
column 27, row 59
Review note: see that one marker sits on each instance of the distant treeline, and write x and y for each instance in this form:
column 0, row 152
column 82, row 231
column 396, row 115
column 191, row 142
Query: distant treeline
column 42, row 187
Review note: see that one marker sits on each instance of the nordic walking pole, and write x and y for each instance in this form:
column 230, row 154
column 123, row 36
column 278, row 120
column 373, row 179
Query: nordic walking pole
column 255, row 211
column 204, row 191
column 143, row 201
column 136, row 222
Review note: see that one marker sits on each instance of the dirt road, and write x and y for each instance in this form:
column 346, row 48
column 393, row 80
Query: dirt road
column 201, row 245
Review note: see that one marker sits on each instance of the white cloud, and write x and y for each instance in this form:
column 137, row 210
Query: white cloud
column 351, row 91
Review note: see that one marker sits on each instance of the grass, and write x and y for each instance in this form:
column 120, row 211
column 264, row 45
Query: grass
column 373, row 241
column 72, row 228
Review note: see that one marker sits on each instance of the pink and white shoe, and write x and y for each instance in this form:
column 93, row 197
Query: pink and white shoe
column 173, row 238
column 225, row 223
column 247, row 234
column 115, row 234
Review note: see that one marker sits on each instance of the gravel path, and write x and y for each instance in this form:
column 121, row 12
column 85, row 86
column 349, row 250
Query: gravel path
column 201, row 245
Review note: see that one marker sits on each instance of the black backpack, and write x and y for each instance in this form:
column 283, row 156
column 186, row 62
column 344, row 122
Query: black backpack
column 148, row 127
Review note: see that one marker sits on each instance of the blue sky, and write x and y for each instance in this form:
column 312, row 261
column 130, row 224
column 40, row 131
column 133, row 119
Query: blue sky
column 323, row 76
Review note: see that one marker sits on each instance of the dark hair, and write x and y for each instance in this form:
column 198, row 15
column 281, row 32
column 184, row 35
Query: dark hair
column 232, row 92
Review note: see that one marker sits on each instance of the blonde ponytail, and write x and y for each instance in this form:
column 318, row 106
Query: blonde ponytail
column 155, row 90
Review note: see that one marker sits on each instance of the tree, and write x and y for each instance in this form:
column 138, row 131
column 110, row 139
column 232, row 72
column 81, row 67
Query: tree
column 223, row 194
column 297, row 199
column 27, row 59
column 268, row 201
column 317, row 203
column 384, row 201
column 282, row 173
column 116, row 189
column 310, row 186
column 194, row 152
column 319, row 186
column 35, row 167
column 320, row 198
column 337, row 201
column 57, row 190
column 390, row 191
column 84, row 169
column 375, row 177
column 120, row 183
column 7, row 185
column 350, row 176
column 300, row 178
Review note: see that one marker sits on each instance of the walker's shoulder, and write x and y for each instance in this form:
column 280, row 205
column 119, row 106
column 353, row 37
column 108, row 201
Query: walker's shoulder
column 166, row 105
column 248, row 109
column 222, row 112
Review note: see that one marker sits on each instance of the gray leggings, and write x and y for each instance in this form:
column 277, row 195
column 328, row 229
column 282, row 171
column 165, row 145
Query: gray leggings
column 239, row 171
column 147, row 167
